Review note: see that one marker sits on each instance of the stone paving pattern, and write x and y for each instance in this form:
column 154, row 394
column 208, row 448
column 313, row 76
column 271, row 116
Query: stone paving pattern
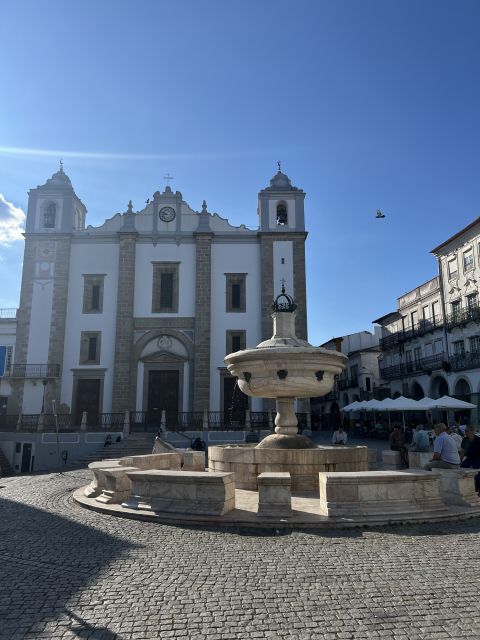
column 66, row 572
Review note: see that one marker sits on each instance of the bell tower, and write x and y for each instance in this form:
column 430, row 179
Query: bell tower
column 54, row 214
column 54, row 207
column 280, row 206
column 282, row 238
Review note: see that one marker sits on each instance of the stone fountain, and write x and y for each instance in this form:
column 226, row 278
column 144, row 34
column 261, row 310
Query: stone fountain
column 285, row 368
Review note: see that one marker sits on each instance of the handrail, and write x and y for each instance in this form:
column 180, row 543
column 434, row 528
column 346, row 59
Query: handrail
column 8, row 314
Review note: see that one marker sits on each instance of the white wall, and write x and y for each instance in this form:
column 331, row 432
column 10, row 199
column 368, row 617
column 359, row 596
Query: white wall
column 38, row 342
column 91, row 258
column 185, row 254
column 232, row 258
column 283, row 250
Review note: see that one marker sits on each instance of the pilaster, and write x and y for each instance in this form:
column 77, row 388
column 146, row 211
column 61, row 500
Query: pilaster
column 59, row 316
column 23, row 322
column 201, row 377
column 124, row 336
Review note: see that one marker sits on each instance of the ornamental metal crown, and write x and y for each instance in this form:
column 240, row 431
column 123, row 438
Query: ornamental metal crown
column 283, row 302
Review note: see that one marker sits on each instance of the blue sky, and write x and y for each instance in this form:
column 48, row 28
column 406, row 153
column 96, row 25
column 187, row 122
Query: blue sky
column 369, row 104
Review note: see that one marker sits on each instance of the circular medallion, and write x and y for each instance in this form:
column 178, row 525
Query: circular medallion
column 167, row 214
column 164, row 343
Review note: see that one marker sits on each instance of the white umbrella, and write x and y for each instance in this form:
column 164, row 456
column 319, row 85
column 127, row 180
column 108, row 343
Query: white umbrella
column 426, row 403
column 401, row 404
column 446, row 402
column 405, row 404
column 354, row 406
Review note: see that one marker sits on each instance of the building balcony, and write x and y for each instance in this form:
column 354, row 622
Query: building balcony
column 461, row 361
column 347, row 383
column 420, row 366
column 33, row 371
column 417, row 331
column 461, row 317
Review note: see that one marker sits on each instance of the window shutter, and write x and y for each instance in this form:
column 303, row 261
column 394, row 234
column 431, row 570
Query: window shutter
column 236, row 296
column 166, row 290
column 92, row 348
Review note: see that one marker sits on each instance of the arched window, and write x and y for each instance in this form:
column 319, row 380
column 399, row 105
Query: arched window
column 282, row 216
column 49, row 216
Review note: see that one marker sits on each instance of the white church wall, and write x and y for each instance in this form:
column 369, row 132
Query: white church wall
column 91, row 258
column 165, row 252
column 33, row 397
column 38, row 341
column 232, row 258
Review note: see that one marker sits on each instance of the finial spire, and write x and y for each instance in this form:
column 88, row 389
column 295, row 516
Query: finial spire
column 279, row 164
column 61, row 165
column 168, row 177
column 283, row 285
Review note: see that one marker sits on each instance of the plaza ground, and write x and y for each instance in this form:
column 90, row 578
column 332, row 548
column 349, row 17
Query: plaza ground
column 66, row 572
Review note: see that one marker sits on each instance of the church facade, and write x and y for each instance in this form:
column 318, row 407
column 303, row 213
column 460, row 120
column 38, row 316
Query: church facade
column 138, row 313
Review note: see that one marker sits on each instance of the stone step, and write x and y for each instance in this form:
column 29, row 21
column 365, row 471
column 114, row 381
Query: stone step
column 135, row 445
column 5, row 467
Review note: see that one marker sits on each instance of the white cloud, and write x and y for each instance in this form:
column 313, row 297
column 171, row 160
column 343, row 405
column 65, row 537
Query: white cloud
column 12, row 219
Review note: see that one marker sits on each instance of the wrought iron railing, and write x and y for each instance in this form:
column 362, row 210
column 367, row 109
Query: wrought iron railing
column 468, row 360
column 8, row 314
column 65, row 422
column 37, row 371
column 421, row 365
column 347, row 383
column 145, row 421
column 419, row 329
column 461, row 317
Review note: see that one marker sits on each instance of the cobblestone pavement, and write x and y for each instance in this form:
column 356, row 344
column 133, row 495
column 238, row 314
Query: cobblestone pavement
column 66, row 572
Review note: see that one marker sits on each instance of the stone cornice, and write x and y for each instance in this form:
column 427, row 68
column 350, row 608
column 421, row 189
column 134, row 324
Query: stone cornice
column 159, row 322
column 283, row 235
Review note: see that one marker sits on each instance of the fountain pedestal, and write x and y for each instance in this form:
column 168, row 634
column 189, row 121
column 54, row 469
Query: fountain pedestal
column 285, row 367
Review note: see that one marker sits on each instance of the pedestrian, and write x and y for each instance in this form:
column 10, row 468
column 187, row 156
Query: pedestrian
column 339, row 436
column 421, row 440
column 397, row 443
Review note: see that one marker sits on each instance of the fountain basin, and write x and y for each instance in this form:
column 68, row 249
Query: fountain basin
column 288, row 372
column 304, row 465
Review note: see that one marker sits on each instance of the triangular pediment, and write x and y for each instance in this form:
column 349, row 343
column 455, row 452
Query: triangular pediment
column 163, row 356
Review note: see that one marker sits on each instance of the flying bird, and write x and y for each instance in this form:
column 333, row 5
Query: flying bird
column 379, row 214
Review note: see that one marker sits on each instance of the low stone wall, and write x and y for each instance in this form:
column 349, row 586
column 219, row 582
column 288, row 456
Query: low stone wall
column 95, row 487
column 116, row 485
column 304, row 465
column 391, row 460
column 384, row 494
column 168, row 460
column 457, row 487
column 418, row 459
column 274, row 495
column 187, row 492
column 193, row 461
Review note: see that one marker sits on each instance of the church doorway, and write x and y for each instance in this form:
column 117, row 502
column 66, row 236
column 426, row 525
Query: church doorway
column 163, row 392
column 87, row 399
